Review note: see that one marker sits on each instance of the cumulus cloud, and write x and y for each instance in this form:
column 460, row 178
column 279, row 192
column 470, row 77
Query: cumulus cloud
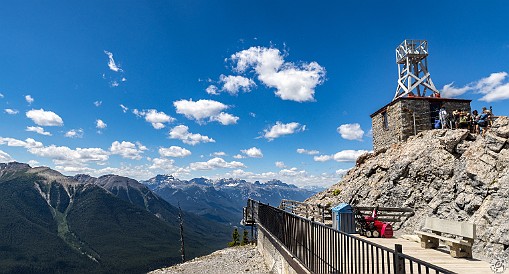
column 74, row 133
column 28, row 143
column 100, row 124
column 127, row 149
column 212, row 90
column 65, row 156
column 239, row 156
column 280, row 164
column 174, row 151
column 1, row 95
column 308, row 152
column 234, row 83
column 351, row 131
column 154, row 117
column 42, row 117
column 5, row 157
column 225, row 118
column 111, row 62
column 253, row 152
column 38, row 130
column 280, row 129
column 98, row 103
column 493, row 88
column 163, row 163
column 182, row 133
column 29, row 99
column 219, row 153
column 11, row 111
column 215, row 163
column 291, row 81
column 342, row 156
column 203, row 110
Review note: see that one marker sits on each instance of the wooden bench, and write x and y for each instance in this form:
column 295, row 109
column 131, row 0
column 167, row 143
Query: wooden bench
column 463, row 233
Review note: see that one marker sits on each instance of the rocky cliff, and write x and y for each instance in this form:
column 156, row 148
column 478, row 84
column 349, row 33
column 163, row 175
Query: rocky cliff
column 449, row 174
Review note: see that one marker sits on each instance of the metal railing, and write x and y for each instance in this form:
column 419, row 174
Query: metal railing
column 322, row 249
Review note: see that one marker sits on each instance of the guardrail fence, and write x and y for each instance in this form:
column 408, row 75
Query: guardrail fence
column 322, row 249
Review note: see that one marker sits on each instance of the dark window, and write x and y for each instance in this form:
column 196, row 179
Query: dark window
column 385, row 120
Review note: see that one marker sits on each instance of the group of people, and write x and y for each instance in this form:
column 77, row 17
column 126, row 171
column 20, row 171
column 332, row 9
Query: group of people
column 475, row 122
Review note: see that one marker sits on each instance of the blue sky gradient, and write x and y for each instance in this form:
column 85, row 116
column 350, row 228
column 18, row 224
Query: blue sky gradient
column 312, row 69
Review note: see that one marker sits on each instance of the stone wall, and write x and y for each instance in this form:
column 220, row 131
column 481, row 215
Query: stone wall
column 408, row 116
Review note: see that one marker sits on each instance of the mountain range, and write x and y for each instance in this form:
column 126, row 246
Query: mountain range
column 51, row 223
column 222, row 200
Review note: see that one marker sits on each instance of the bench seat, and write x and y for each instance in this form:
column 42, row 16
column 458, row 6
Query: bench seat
column 459, row 247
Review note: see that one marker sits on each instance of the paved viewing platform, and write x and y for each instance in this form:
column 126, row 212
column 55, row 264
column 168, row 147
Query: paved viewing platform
column 439, row 257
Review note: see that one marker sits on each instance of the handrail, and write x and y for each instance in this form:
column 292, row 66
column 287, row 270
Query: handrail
column 322, row 249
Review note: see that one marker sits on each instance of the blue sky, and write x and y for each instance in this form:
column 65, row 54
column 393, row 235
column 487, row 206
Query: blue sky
column 256, row 90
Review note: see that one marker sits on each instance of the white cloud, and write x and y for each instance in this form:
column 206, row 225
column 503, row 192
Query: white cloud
column 124, row 108
column 322, row 158
column 212, row 90
column 111, row 63
column 100, row 124
column 33, row 163
column 239, row 156
column 45, row 118
column 292, row 172
column 157, row 119
column 351, row 131
column 492, row 87
column 1, row 95
column 74, row 133
column 342, row 156
column 163, row 163
column 280, row 129
column 292, row 82
column 127, row 149
column 28, row 143
column 11, row 111
column 64, row 156
column 182, row 133
column 215, row 163
column 253, row 152
column 29, row 99
column 225, row 119
column 5, row 157
column 280, row 164
column 308, row 152
column 219, row 153
column 174, row 151
column 449, row 91
column 205, row 109
column 38, row 130
column 233, row 84
column 98, row 103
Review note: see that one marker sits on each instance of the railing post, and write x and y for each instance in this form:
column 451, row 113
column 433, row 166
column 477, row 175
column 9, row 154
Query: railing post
column 312, row 244
column 399, row 262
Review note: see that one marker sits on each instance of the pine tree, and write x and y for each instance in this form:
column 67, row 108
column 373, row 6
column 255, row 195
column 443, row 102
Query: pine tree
column 245, row 239
column 235, row 237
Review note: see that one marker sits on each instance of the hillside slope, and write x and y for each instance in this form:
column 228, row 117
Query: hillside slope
column 50, row 223
column 449, row 174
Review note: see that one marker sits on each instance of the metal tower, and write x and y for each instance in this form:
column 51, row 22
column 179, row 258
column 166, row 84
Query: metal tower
column 413, row 70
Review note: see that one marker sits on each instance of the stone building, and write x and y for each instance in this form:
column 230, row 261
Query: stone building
column 407, row 116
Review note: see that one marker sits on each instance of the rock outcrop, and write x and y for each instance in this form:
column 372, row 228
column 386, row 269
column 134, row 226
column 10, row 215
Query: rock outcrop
column 449, row 174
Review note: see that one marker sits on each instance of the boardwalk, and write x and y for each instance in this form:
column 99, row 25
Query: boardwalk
column 437, row 257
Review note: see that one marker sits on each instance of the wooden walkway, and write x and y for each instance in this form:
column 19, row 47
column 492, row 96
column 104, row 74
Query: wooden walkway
column 439, row 257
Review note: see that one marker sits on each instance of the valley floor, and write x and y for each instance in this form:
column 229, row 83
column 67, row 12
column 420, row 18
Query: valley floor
column 234, row 260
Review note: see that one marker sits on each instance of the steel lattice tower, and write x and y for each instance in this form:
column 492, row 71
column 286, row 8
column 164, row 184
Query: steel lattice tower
column 414, row 78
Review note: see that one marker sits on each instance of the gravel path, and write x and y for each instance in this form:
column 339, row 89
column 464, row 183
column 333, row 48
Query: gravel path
column 232, row 260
